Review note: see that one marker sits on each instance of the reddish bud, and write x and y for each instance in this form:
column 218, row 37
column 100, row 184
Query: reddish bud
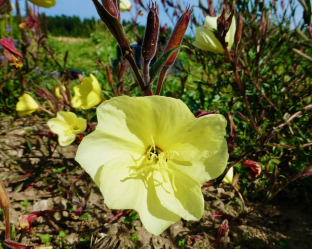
column 177, row 35
column 111, row 7
column 113, row 24
column 11, row 54
column 255, row 168
column 151, row 34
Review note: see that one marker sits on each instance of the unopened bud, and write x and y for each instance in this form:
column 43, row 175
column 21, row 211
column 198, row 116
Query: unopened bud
column 111, row 7
column 114, row 26
column 255, row 168
column 238, row 33
column 177, row 35
column 151, row 34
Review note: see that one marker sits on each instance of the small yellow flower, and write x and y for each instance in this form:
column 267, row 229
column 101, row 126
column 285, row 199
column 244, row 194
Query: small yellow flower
column 125, row 5
column 229, row 176
column 43, row 3
column 206, row 40
column 88, row 94
column 152, row 155
column 26, row 105
column 57, row 92
column 66, row 125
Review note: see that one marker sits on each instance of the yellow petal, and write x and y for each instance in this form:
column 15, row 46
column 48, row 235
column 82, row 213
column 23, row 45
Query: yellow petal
column 43, row 3
column 26, row 105
column 125, row 5
column 179, row 194
column 230, row 36
column 211, row 22
column 200, row 138
column 124, row 192
column 88, row 94
column 206, row 40
column 66, row 125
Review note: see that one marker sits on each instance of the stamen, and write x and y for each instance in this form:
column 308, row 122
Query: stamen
column 156, row 160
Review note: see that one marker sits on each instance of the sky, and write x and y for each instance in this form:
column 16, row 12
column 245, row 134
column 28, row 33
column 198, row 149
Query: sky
column 86, row 9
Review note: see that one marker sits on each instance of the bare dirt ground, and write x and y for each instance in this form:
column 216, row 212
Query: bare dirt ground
column 38, row 175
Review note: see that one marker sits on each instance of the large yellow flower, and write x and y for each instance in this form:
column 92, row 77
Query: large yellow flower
column 152, row 155
column 26, row 105
column 88, row 94
column 125, row 5
column 66, row 125
column 206, row 40
column 43, row 3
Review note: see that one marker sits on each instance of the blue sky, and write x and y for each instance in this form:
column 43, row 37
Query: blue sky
column 86, row 9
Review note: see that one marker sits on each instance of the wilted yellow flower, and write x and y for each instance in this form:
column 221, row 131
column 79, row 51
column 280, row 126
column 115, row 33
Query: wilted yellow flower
column 88, row 94
column 43, row 3
column 152, row 155
column 66, row 125
column 125, row 5
column 57, row 92
column 206, row 40
column 26, row 105
column 229, row 176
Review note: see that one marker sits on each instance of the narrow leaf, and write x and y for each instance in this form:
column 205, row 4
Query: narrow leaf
column 158, row 65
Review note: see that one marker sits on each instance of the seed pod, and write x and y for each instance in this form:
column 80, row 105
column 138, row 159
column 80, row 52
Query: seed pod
column 177, row 35
column 151, row 34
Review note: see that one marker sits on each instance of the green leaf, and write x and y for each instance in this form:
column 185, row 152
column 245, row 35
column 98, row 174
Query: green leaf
column 62, row 234
column 159, row 64
column 45, row 239
column 133, row 216
column 134, row 238
column 58, row 170
column 284, row 244
column 85, row 216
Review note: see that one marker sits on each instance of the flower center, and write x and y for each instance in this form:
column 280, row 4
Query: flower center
column 156, row 160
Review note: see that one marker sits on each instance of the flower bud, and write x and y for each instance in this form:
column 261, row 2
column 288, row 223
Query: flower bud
column 255, row 168
column 113, row 24
column 11, row 54
column 125, row 5
column 177, row 35
column 110, row 6
column 151, row 34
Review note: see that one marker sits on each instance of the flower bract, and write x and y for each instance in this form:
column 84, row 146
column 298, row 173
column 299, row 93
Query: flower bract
column 26, row 105
column 125, row 5
column 206, row 40
column 43, row 3
column 88, row 94
column 66, row 125
column 152, row 155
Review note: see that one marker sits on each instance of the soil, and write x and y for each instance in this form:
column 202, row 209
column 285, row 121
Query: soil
column 78, row 218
